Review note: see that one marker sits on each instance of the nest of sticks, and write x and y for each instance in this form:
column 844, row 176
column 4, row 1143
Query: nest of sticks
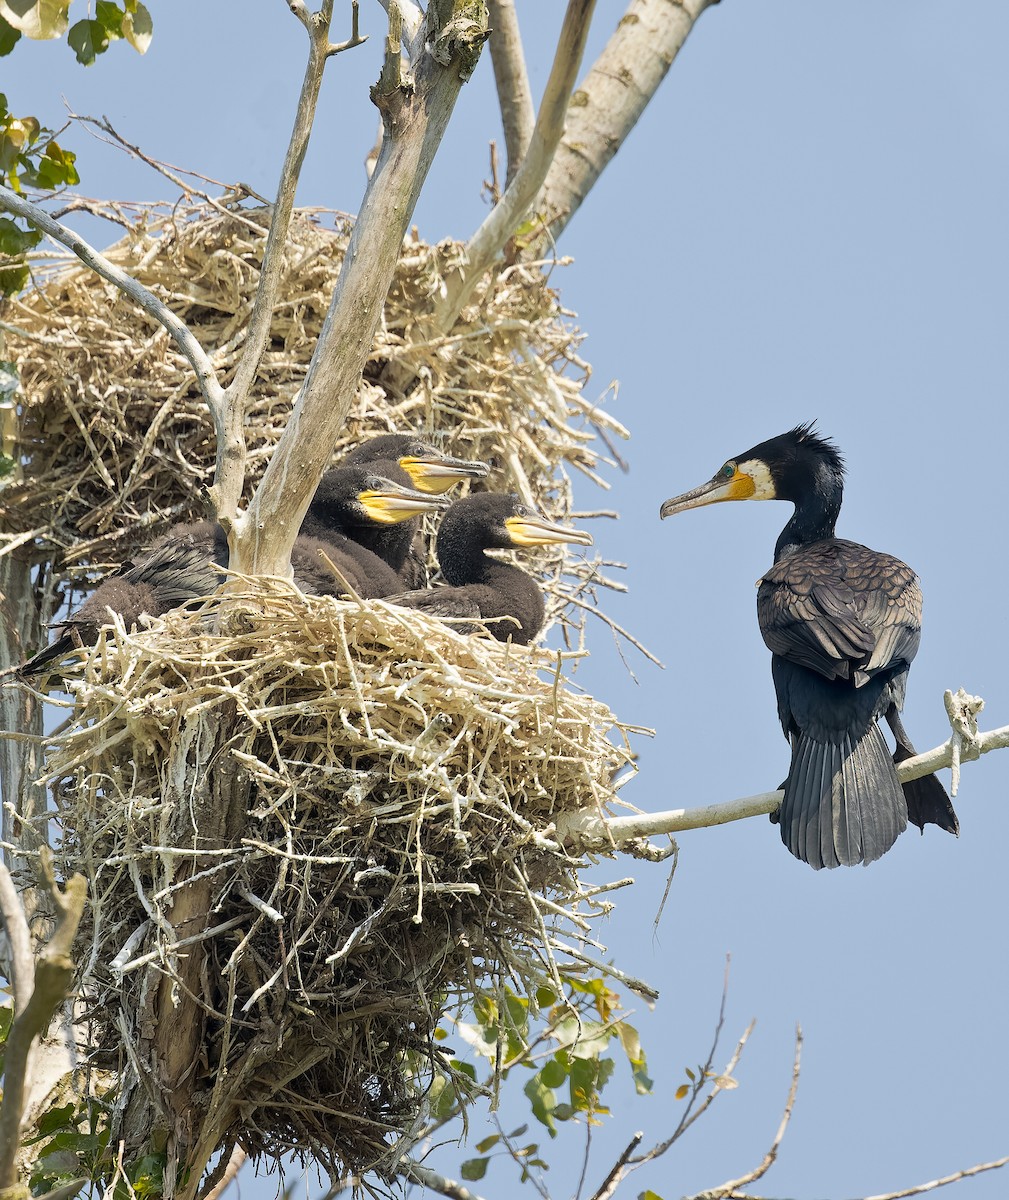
column 115, row 437
column 397, row 784
column 374, row 839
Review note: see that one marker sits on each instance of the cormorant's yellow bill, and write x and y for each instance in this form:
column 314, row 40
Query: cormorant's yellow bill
column 386, row 503
column 436, row 473
column 750, row 480
column 530, row 529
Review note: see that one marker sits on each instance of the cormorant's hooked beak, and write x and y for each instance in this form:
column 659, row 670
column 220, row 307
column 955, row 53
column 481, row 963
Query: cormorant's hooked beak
column 435, row 474
column 387, row 503
column 538, row 531
column 730, row 483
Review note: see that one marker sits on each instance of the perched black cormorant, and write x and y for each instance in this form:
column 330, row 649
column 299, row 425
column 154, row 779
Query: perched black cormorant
column 843, row 624
column 406, row 459
column 186, row 563
column 481, row 587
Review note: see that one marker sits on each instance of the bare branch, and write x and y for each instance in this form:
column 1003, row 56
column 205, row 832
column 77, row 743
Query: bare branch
column 587, row 832
column 505, row 217
column 206, row 376
column 616, row 1173
column 301, row 11
column 931, row 1186
column 611, row 98
column 20, row 940
column 53, row 975
column 732, row 1188
column 416, row 111
column 518, row 116
column 230, row 1173
column 410, row 15
column 355, row 38
column 437, row 1183
column 229, row 476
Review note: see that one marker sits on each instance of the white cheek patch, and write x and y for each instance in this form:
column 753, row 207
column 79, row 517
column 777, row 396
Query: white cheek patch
column 763, row 484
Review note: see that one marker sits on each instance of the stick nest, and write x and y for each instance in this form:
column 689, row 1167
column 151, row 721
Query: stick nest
column 397, row 785
column 115, row 436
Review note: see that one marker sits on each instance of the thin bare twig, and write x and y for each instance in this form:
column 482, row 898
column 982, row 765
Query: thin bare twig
column 518, row 117
column 437, row 1183
column 616, row 1172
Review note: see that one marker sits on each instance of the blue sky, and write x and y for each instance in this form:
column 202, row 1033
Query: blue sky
column 809, row 222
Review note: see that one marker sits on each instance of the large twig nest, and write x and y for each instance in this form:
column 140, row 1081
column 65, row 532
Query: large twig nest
column 116, row 438
column 401, row 783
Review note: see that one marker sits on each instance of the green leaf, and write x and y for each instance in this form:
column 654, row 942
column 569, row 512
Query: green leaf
column 88, row 39
column 9, row 37
column 488, row 1143
column 13, row 280
column 545, row 997
column 14, row 241
column 474, row 1168
column 110, row 16
column 138, row 28
column 649, row 1195
column 543, row 1103
column 554, row 1074
column 631, row 1042
column 40, row 20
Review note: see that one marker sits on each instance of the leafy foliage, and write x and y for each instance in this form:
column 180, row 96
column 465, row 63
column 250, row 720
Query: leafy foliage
column 565, row 1042
column 45, row 20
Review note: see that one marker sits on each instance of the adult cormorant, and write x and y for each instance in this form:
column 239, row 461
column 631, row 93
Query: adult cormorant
column 406, row 459
column 480, row 587
column 843, row 624
column 186, row 563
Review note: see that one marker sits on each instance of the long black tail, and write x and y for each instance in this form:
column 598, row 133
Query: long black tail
column 843, row 801
column 52, row 653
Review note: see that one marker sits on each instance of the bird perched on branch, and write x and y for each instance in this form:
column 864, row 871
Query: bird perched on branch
column 408, row 460
column 482, row 588
column 843, row 623
column 187, row 562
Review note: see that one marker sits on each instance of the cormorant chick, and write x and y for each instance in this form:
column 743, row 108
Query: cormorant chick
column 187, row 562
column 406, row 459
column 500, row 594
column 842, row 623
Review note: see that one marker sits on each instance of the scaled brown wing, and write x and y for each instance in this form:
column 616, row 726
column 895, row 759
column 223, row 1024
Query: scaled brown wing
column 840, row 609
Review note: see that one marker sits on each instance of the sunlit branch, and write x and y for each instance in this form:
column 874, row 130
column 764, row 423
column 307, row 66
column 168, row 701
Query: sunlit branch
column 194, row 353
column 507, row 215
column 518, row 116
column 437, row 1183
column 589, row 832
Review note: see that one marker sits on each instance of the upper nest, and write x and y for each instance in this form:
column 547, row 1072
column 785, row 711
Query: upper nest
column 395, row 785
column 116, row 437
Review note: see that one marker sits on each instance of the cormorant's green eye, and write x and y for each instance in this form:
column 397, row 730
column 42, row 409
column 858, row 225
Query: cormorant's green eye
column 728, row 470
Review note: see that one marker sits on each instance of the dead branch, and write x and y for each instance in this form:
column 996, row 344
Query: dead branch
column 591, row 833
column 53, row 976
column 611, row 98
column 501, row 223
column 437, row 1183
column 518, row 116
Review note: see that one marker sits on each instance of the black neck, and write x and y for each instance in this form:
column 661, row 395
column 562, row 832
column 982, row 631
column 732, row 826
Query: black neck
column 815, row 515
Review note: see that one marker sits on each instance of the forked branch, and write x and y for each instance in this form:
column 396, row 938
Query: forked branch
column 518, row 115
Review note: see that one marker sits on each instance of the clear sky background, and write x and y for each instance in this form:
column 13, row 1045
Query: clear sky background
column 810, row 221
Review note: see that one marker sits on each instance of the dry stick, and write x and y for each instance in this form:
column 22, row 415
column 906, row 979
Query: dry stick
column 518, row 116
column 53, row 976
column 501, row 223
column 418, row 1173
column 732, row 1187
column 191, row 349
column 589, row 832
column 20, row 940
column 416, row 111
column 612, row 97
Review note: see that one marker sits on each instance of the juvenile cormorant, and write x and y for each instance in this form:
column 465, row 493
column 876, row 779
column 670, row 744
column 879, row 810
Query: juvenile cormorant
column 481, row 587
column 186, row 563
column 406, row 459
column 842, row 623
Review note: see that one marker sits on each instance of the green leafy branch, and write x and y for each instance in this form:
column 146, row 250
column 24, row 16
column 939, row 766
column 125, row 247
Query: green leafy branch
column 46, row 20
